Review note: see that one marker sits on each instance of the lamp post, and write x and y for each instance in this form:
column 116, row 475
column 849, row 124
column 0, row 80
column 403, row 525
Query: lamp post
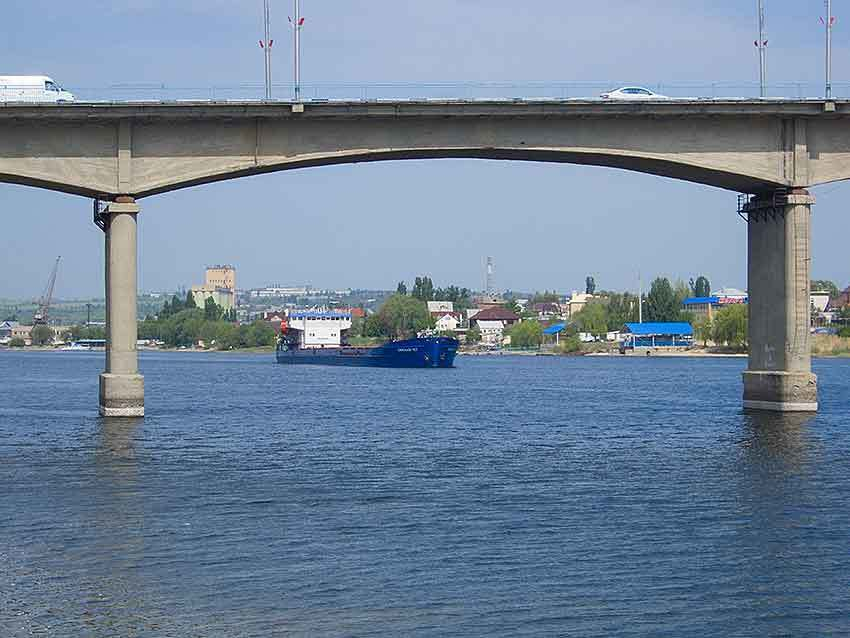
column 761, row 45
column 828, row 22
column 266, row 45
column 297, row 23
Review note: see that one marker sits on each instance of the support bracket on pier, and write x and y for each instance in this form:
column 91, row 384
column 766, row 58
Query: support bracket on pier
column 100, row 213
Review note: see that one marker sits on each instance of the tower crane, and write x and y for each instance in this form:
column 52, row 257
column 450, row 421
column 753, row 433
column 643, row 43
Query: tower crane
column 42, row 315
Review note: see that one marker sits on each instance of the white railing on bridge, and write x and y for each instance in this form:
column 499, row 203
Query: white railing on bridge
column 332, row 91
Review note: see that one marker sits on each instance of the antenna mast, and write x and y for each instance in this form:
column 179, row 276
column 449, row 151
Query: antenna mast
column 761, row 45
column 488, row 281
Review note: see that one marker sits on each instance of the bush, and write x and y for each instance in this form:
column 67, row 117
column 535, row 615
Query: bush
column 844, row 332
column 41, row 335
column 569, row 345
column 17, row 342
column 526, row 334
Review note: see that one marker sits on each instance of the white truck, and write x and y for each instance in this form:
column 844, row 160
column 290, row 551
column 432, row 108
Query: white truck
column 32, row 88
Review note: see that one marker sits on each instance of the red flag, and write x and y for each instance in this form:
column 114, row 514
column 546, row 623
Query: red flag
column 301, row 22
column 271, row 43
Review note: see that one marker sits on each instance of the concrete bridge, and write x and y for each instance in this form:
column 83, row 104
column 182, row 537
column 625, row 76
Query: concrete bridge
column 771, row 149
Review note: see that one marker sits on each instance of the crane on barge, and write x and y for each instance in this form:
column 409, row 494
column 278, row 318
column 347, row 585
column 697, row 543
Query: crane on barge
column 42, row 315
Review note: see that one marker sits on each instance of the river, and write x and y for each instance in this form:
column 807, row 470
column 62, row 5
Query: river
column 510, row 496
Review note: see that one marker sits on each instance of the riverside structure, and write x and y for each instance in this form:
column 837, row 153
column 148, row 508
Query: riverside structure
column 772, row 150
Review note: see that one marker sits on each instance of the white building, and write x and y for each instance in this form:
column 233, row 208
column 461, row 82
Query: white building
column 448, row 322
column 492, row 332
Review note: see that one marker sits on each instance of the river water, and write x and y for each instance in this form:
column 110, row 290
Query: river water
column 511, row 496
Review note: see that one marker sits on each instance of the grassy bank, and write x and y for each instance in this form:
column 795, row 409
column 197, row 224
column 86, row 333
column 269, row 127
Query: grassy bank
column 830, row 346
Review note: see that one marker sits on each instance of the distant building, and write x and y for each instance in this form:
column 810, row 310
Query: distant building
column 221, row 296
column 577, row 302
column 221, row 277
column 840, row 301
column 220, row 284
column 22, row 332
column 546, row 310
column 6, row 328
column 705, row 307
column 491, row 323
column 668, row 335
column 820, row 300
column 278, row 291
column 448, row 322
column 487, row 301
column 440, row 306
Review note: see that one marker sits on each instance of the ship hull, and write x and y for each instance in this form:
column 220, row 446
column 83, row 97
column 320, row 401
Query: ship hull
column 427, row 352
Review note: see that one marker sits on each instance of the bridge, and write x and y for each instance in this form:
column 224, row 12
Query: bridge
column 773, row 150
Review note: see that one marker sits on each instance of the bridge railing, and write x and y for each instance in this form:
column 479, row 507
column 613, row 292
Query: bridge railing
column 342, row 91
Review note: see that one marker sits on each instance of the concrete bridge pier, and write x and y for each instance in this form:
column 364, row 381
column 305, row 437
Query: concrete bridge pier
column 779, row 375
column 122, row 388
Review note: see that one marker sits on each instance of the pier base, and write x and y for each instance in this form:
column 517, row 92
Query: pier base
column 122, row 395
column 781, row 391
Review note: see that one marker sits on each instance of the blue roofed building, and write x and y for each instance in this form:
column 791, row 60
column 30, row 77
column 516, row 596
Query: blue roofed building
column 705, row 307
column 668, row 335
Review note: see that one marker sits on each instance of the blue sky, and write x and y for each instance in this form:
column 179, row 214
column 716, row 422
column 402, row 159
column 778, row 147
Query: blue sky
column 547, row 226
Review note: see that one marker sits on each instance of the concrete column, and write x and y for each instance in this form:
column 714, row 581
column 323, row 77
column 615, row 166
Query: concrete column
column 779, row 375
column 122, row 389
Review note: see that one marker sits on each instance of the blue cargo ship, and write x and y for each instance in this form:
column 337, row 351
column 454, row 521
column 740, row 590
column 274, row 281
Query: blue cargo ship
column 319, row 338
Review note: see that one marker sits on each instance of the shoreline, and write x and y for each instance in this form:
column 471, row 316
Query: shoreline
column 696, row 354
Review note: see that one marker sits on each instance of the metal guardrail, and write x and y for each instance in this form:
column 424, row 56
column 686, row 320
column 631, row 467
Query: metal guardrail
column 332, row 91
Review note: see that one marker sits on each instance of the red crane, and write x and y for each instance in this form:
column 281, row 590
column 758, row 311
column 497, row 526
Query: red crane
column 43, row 313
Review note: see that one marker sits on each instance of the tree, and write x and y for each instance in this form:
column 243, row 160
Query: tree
column 593, row 318
column 701, row 287
column 681, row 291
column 461, row 298
column 730, row 326
column 41, row 335
column 825, row 284
column 703, row 330
column 526, row 334
column 423, row 288
column 400, row 316
column 212, row 311
column 622, row 308
column 401, row 289
column 190, row 301
column 589, row 285
column 17, row 342
column 473, row 336
column 176, row 304
column 661, row 302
